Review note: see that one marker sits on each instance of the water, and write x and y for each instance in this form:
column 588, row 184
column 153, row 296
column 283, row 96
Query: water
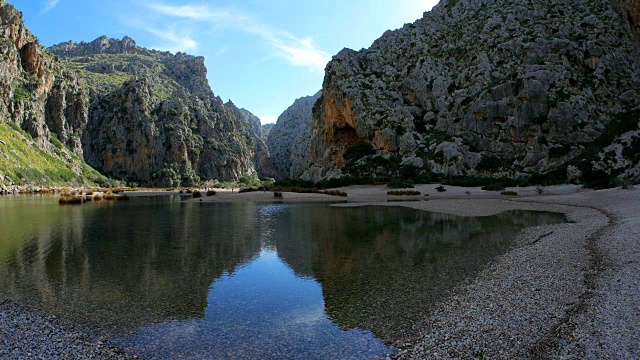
column 169, row 279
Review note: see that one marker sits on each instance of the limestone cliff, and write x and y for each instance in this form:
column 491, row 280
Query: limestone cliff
column 152, row 117
column 38, row 96
column 266, row 129
column 488, row 88
column 289, row 140
column 262, row 158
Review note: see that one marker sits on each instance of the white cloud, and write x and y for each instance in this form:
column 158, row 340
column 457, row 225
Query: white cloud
column 50, row 4
column 173, row 41
column 303, row 53
column 194, row 12
column 297, row 51
column 220, row 52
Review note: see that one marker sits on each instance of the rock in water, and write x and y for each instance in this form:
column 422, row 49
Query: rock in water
column 495, row 88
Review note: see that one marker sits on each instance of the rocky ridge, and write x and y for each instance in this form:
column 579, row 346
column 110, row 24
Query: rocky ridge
column 43, row 99
column 289, row 141
column 140, row 115
column 153, row 119
column 492, row 88
column 262, row 157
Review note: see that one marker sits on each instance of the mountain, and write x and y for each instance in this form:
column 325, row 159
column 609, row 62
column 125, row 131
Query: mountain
column 520, row 90
column 262, row 158
column 289, row 140
column 266, row 128
column 152, row 117
column 41, row 104
column 132, row 113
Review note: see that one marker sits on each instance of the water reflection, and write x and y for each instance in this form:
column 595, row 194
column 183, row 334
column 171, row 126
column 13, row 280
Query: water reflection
column 119, row 266
column 381, row 268
column 243, row 280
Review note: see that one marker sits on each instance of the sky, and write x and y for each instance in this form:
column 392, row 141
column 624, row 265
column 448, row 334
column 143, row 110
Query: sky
column 261, row 54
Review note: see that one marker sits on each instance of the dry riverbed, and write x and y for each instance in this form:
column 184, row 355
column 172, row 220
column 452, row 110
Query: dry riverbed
column 563, row 290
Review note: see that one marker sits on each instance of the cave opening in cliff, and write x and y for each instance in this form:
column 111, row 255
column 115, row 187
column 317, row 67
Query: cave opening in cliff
column 347, row 136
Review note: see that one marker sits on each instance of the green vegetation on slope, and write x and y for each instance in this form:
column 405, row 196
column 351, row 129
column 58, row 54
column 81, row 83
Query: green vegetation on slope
column 110, row 71
column 23, row 162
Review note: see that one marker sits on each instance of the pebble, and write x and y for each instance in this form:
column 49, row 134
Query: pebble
column 36, row 337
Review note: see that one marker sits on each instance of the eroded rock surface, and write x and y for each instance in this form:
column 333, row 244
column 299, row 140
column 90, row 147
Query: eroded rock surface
column 153, row 119
column 38, row 95
column 289, row 140
column 487, row 88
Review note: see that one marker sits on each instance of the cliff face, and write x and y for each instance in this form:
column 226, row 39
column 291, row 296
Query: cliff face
column 40, row 97
column 488, row 88
column 153, row 118
column 262, row 158
column 289, row 140
column 266, row 129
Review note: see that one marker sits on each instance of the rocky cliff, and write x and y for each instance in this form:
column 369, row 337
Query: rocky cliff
column 511, row 89
column 266, row 129
column 40, row 102
column 152, row 117
column 289, row 140
column 262, row 157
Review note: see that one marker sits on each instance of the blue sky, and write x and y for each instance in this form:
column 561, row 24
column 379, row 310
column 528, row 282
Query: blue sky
column 261, row 54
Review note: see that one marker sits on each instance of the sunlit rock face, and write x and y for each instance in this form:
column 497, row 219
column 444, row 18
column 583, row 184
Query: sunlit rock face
column 153, row 117
column 37, row 93
column 488, row 88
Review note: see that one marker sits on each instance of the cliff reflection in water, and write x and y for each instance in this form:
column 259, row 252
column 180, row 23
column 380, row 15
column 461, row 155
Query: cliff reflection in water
column 116, row 267
column 287, row 274
column 381, row 267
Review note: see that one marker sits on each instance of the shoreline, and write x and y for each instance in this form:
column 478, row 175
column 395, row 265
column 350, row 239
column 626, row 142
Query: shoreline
column 562, row 290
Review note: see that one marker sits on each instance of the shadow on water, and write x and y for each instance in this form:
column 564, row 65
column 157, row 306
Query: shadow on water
column 168, row 278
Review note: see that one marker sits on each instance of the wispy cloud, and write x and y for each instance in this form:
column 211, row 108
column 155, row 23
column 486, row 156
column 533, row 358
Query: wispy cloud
column 221, row 51
column 295, row 50
column 301, row 52
column 50, row 4
column 194, row 12
column 174, row 41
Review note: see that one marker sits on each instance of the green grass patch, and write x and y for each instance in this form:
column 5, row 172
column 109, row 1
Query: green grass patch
column 21, row 93
column 25, row 163
column 89, row 69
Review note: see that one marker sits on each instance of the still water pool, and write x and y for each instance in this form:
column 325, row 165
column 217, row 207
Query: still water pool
column 169, row 279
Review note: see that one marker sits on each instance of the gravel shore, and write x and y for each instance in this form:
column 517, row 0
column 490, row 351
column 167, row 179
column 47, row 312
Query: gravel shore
column 564, row 291
column 25, row 334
